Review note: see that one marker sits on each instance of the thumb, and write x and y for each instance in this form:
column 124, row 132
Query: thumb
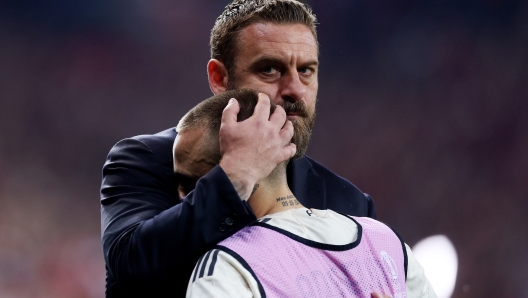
column 229, row 115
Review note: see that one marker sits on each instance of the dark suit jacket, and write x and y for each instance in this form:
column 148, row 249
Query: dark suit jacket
column 152, row 240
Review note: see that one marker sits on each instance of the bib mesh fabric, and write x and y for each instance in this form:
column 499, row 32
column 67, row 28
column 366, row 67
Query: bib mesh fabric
column 290, row 266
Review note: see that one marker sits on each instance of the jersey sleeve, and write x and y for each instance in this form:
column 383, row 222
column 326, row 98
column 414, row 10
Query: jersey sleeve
column 417, row 283
column 151, row 240
column 218, row 274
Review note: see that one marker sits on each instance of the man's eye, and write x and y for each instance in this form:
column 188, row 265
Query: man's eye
column 306, row 71
column 268, row 70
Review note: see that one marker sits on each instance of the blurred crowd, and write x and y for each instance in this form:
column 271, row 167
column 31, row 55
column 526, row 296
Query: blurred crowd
column 422, row 104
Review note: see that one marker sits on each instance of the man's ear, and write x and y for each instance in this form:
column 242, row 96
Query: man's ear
column 217, row 75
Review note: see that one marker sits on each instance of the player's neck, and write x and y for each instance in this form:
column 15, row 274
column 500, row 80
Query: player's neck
column 269, row 198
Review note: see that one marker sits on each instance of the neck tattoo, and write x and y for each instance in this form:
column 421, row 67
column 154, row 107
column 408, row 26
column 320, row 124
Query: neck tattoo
column 255, row 188
column 287, row 201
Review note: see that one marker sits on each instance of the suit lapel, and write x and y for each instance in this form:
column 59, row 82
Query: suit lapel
column 306, row 184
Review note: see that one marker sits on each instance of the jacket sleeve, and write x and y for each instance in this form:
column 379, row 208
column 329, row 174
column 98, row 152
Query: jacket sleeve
column 149, row 237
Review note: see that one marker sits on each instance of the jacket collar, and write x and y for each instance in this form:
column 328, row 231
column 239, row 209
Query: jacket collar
column 306, row 184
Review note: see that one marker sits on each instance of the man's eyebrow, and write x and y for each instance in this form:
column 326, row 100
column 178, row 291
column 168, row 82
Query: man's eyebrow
column 310, row 63
column 266, row 59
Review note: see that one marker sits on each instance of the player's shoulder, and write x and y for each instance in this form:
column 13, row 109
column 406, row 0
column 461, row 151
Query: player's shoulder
column 220, row 262
column 219, row 273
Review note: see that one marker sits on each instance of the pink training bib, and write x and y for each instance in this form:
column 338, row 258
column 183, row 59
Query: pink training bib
column 286, row 265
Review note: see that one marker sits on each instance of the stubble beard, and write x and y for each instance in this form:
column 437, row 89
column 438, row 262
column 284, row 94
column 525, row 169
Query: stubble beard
column 302, row 124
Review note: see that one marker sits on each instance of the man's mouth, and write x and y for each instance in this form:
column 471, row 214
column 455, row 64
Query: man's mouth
column 294, row 110
column 293, row 116
column 296, row 114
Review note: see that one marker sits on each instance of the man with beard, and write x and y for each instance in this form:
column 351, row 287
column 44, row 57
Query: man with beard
column 154, row 228
column 291, row 251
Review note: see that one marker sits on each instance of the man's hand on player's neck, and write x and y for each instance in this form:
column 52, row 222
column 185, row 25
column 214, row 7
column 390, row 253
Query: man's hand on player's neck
column 251, row 149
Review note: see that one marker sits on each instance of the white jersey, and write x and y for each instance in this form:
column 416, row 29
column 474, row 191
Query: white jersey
column 218, row 274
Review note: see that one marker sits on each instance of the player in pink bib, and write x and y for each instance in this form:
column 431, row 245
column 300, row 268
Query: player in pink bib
column 376, row 261
column 292, row 251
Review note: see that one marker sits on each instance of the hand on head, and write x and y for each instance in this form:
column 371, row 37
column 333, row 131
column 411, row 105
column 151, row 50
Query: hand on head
column 251, row 149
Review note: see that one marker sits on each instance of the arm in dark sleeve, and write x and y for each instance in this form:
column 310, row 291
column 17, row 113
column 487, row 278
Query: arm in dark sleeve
column 151, row 240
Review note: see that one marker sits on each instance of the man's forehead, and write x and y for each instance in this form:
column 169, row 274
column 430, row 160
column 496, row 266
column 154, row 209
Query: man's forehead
column 296, row 34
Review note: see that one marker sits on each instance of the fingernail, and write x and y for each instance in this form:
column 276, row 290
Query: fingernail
column 230, row 101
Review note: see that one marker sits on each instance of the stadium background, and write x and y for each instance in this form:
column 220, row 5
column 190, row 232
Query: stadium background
column 422, row 104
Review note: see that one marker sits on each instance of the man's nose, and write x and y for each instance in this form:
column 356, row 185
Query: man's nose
column 292, row 88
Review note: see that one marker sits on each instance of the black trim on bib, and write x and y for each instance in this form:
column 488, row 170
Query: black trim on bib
column 245, row 264
column 265, row 220
column 405, row 260
column 315, row 244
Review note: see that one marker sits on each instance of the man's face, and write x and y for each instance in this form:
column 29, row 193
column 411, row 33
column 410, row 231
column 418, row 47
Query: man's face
column 190, row 161
column 282, row 62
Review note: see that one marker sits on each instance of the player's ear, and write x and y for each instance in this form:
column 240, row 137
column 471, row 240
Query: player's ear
column 217, row 75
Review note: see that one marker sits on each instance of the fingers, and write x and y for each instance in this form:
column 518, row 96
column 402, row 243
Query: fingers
column 289, row 151
column 229, row 115
column 262, row 109
column 279, row 116
column 252, row 148
column 286, row 132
